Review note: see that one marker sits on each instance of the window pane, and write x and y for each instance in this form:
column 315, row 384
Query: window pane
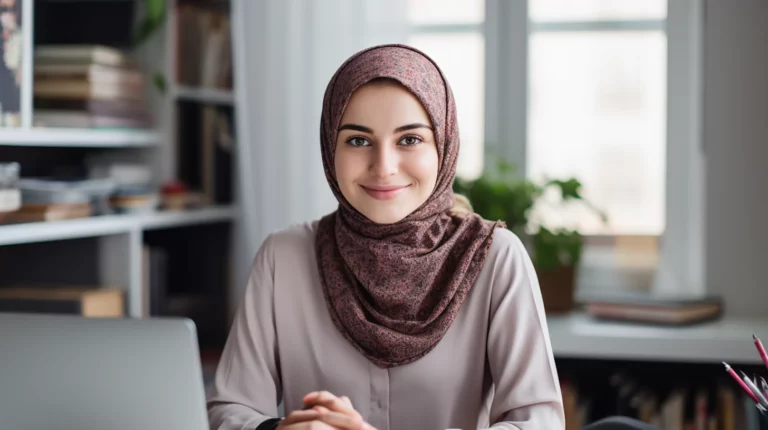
column 461, row 57
column 446, row 11
column 596, row 10
column 597, row 111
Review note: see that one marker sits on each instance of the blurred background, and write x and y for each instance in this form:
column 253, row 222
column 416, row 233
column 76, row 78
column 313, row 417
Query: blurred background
column 147, row 147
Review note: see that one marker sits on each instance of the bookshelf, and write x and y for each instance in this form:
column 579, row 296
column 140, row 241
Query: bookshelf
column 191, row 138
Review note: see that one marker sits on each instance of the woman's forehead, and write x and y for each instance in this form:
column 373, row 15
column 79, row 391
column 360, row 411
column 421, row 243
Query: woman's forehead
column 385, row 103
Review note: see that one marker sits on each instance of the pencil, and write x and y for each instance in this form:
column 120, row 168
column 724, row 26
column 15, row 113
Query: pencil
column 761, row 350
column 764, row 386
column 754, row 389
column 740, row 382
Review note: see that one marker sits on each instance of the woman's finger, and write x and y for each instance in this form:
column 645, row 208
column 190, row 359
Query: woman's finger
column 348, row 402
column 308, row 425
column 300, row 416
column 324, row 398
column 342, row 421
column 320, row 409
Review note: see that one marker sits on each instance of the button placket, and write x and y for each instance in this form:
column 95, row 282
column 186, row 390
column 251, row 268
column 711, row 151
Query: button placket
column 379, row 398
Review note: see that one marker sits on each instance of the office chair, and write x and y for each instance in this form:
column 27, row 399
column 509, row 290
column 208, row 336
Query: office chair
column 620, row 423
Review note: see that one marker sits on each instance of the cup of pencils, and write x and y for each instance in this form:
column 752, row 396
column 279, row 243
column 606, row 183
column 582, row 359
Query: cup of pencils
column 759, row 394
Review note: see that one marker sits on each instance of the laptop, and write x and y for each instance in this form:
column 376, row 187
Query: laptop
column 68, row 372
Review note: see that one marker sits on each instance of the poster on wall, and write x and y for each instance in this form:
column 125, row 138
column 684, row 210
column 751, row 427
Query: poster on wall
column 10, row 66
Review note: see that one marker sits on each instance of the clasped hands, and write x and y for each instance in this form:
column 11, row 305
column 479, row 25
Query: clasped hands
column 324, row 411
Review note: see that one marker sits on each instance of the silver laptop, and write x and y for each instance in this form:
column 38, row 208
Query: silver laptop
column 66, row 372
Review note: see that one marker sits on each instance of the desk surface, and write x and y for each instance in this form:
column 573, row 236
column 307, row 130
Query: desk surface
column 730, row 339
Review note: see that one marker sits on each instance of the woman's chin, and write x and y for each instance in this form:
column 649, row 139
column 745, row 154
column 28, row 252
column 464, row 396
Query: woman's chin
column 384, row 216
column 385, row 219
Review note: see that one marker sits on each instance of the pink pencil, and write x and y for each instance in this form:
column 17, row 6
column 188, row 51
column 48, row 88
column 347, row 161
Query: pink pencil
column 742, row 383
column 761, row 350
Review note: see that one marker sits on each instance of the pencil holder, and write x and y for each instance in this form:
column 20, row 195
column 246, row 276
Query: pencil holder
column 763, row 419
column 755, row 387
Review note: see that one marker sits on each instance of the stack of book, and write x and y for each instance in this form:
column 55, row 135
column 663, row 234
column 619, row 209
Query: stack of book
column 86, row 86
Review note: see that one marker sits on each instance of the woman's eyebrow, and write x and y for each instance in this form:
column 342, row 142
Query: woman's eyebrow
column 356, row 127
column 364, row 129
column 411, row 127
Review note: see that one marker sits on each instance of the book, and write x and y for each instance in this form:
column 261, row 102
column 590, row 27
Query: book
column 110, row 107
column 93, row 302
column 90, row 72
column 82, row 89
column 204, row 47
column 657, row 309
column 63, row 119
column 80, row 54
column 48, row 212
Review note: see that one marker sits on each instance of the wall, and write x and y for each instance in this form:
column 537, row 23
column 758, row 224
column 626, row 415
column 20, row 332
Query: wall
column 735, row 138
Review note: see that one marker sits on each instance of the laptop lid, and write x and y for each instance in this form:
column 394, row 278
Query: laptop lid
column 69, row 372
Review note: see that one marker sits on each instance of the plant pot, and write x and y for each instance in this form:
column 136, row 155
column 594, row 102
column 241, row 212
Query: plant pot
column 557, row 288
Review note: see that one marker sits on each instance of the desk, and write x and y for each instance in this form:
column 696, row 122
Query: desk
column 577, row 335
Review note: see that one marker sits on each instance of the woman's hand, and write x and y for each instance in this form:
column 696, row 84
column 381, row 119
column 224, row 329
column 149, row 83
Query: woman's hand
column 324, row 411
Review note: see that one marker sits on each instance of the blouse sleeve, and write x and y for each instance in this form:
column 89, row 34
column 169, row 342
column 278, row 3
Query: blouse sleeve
column 246, row 388
column 527, row 390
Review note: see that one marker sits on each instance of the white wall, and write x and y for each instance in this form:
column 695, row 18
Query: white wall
column 735, row 138
column 286, row 52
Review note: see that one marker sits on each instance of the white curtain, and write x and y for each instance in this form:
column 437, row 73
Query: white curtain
column 285, row 53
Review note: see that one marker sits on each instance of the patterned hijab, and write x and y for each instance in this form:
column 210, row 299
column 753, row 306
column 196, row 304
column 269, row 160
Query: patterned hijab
column 393, row 290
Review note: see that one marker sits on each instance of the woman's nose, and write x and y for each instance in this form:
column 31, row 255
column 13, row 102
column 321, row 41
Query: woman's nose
column 385, row 161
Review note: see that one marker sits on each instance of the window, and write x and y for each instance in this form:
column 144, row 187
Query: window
column 579, row 88
column 451, row 32
column 597, row 107
column 596, row 86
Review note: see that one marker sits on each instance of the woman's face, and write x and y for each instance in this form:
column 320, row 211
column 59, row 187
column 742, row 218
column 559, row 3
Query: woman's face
column 386, row 158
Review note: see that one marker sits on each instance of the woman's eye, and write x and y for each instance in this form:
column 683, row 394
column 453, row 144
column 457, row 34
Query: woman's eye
column 357, row 141
column 410, row 140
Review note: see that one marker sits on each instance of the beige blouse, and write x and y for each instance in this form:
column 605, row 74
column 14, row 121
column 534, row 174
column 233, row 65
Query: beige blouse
column 493, row 367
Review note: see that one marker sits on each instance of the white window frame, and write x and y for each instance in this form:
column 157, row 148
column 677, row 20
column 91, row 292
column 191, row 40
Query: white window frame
column 450, row 29
column 682, row 245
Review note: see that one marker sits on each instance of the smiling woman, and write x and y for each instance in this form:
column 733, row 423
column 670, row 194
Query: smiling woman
column 394, row 311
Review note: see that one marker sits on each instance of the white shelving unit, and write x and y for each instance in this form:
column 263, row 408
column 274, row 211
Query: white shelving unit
column 110, row 224
column 204, row 95
column 119, row 238
column 76, row 138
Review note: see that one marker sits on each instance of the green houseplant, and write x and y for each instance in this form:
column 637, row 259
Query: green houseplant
column 555, row 250
column 153, row 16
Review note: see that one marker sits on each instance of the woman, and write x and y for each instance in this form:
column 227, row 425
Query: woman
column 397, row 311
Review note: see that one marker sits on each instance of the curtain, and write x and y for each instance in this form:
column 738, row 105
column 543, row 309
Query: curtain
column 285, row 53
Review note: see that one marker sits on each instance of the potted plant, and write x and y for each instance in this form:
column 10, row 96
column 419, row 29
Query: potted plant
column 555, row 250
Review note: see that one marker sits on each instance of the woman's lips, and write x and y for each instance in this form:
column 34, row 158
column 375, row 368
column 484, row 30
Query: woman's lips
column 384, row 192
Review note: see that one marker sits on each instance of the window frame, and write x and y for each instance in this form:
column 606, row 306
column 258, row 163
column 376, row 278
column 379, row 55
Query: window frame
column 682, row 246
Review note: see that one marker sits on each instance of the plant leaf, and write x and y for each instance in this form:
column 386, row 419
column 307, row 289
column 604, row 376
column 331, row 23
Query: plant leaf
column 155, row 10
column 154, row 18
column 160, row 82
